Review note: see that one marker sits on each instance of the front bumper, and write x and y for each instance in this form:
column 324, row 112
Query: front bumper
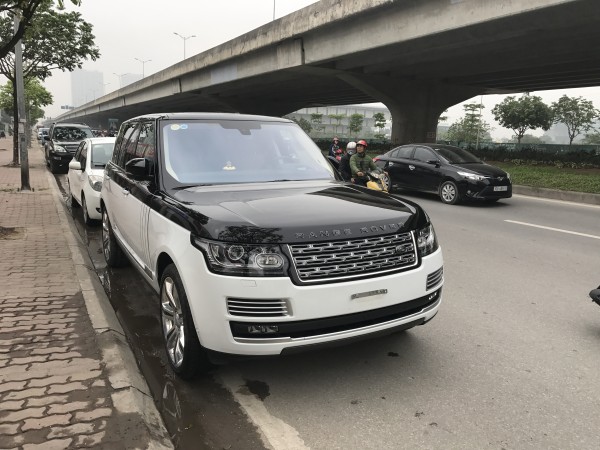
column 484, row 191
column 300, row 316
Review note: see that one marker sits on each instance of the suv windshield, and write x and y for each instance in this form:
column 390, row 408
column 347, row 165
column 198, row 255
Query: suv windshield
column 456, row 155
column 230, row 151
column 67, row 134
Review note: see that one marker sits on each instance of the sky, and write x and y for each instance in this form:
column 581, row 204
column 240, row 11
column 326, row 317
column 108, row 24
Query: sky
column 144, row 29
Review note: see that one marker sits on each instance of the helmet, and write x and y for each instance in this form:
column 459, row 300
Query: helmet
column 351, row 146
column 362, row 142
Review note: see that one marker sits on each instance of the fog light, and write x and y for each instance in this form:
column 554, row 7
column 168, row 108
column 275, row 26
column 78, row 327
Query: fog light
column 263, row 329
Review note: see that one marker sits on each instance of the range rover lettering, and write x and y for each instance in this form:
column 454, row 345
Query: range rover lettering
column 254, row 246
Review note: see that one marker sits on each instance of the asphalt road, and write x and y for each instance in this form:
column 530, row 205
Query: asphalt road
column 510, row 362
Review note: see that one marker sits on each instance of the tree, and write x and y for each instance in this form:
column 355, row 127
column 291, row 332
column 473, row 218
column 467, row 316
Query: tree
column 356, row 123
column 528, row 112
column 380, row 123
column 316, row 119
column 36, row 96
column 25, row 10
column 303, row 123
column 338, row 118
column 470, row 128
column 592, row 138
column 53, row 40
column 577, row 114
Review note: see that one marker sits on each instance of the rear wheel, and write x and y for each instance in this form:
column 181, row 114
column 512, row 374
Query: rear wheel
column 449, row 193
column 186, row 356
column 113, row 254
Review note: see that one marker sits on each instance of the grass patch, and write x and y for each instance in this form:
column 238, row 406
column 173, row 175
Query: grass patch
column 578, row 180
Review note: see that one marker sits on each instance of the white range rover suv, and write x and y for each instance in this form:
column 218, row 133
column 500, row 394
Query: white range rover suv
column 254, row 244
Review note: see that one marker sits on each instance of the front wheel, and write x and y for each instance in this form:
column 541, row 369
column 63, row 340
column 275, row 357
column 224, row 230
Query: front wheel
column 113, row 254
column 186, row 356
column 449, row 193
column 86, row 214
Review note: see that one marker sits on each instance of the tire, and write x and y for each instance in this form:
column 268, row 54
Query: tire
column 186, row 356
column 449, row 193
column 86, row 216
column 70, row 199
column 113, row 254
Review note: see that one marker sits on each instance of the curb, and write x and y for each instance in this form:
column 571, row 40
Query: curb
column 569, row 196
column 131, row 393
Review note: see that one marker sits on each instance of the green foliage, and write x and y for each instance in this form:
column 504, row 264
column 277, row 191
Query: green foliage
column 25, row 10
column 356, row 123
column 316, row 120
column 303, row 123
column 592, row 138
column 36, row 96
column 563, row 178
column 470, row 128
column 338, row 119
column 528, row 112
column 577, row 114
column 54, row 40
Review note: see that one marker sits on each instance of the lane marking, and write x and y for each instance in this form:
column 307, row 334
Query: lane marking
column 556, row 200
column 553, row 229
column 277, row 434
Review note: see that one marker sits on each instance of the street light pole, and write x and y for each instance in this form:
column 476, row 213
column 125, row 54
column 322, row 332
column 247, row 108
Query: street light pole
column 143, row 64
column 185, row 38
column 120, row 78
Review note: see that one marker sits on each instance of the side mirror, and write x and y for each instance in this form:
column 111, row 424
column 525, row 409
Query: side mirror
column 138, row 169
column 75, row 165
column 434, row 162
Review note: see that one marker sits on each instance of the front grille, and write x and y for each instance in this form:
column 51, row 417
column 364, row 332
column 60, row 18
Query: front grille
column 354, row 257
column 71, row 148
column 434, row 278
column 251, row 307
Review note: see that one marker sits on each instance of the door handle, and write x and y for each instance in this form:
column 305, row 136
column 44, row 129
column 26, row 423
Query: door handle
column 125, row 191
column 390, row 164
column 411, row 167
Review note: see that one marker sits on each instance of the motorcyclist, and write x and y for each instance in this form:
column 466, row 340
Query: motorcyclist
column 345, row 161
column 360, row 164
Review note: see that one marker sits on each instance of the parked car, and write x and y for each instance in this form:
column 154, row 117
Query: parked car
column 61, row 143
column 253, row 244
column 86, row 171
column 41, row 134
column 451, row 172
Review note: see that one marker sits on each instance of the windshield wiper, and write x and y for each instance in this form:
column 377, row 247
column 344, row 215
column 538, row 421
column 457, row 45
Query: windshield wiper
column 187, row 186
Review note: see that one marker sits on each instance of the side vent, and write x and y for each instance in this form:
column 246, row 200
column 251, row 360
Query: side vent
column 251, row 307
column 435, row 278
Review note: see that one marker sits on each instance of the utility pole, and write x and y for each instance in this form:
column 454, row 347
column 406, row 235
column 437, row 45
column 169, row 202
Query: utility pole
column 22, row 125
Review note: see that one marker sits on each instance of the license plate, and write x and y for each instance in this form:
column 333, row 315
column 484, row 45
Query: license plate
column 500, row 188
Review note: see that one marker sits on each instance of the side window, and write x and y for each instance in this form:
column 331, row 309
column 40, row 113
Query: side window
column 84, row 154
column 121, row 142
column 145, row 145
column 404, row 152
column 131, row 145
column 423, row 154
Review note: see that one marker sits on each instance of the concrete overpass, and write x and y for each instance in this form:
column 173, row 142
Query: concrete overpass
column 418, row 57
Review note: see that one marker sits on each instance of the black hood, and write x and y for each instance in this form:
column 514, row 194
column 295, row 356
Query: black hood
column 482, row 169
column 291, row 212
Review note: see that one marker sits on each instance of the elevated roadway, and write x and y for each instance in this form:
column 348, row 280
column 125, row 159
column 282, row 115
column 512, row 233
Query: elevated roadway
column 417, row 57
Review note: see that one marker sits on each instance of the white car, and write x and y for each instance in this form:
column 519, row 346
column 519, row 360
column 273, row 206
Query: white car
column 86, row 171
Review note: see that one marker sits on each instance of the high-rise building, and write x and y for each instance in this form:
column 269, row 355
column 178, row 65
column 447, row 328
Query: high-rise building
column 86, row 86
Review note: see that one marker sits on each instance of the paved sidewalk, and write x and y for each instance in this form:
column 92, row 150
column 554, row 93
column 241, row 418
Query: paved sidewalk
column 67, row 376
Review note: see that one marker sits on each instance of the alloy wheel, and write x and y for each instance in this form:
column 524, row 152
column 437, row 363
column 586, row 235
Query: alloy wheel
column 172, row 322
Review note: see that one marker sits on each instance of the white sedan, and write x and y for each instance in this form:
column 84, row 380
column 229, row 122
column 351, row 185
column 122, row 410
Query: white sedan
column 86, row 171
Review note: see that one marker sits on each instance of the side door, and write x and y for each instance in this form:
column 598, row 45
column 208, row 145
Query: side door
column 75, row 176
column 116, row 185
column 425, row 168
column 397, row 165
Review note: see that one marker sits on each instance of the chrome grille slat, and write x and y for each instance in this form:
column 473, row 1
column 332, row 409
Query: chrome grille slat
column 353, row 257
column 257, row 307
column 434, row 278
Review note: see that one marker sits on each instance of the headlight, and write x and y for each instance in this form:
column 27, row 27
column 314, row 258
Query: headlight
column 95, row 182
column 508, row 176
column 247, row 260
column 471, row 176
column 427, row 240
column 59, row 149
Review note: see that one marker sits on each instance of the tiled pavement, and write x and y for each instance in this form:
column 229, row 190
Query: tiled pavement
column 67, row 377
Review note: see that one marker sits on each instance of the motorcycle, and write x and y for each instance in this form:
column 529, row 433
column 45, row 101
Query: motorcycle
column 595, row 295
column 378, row 181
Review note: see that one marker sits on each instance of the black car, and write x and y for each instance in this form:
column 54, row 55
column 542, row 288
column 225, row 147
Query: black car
column 451, row 172
column 61, row 142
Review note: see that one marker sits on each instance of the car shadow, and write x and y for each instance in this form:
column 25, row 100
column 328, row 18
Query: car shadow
column 416, row 195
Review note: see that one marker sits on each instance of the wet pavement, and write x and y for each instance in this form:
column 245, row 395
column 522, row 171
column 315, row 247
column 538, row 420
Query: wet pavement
column 201, row 414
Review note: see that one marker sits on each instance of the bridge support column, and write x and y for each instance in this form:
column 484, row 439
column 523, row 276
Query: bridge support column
column 415, row 105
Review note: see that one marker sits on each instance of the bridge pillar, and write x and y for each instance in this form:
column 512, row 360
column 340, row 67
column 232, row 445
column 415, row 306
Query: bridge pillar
column 415, row 105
